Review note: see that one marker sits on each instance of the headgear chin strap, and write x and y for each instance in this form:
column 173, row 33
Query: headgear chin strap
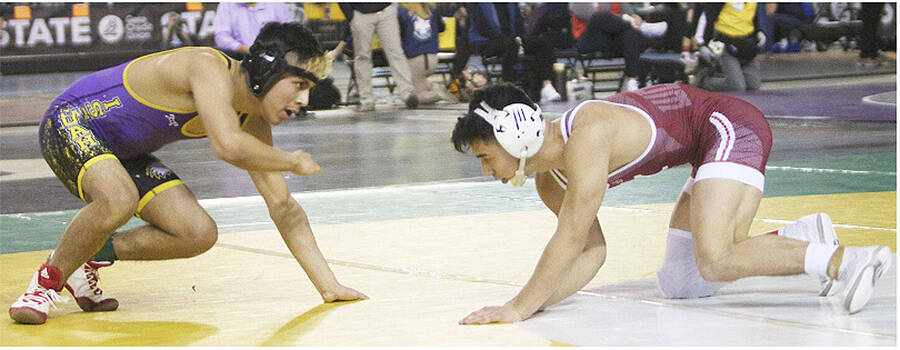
column 519, row 178
column 519, row 129
column 266, row 64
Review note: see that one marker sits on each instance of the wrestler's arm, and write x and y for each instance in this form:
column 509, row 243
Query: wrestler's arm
column 212, row 90
column 591, row 258
column 587, row 163
column 293, row 224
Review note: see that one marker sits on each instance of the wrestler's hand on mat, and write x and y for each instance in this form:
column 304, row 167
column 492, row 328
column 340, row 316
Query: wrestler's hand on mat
column 491, row 314
column 342, row 293
column 307, row 165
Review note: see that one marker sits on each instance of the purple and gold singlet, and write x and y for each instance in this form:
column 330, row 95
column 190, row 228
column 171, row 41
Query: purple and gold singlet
column 100, row 117
column 104, row 104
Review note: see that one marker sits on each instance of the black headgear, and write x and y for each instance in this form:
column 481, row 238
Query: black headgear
column 266, row 64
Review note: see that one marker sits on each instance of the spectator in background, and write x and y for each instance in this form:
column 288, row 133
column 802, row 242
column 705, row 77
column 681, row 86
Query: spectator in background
column 419, row 28
column 366, row 20
column 780, row 19
column 462, row 42
column 869, row 42
column 175, row 32
column 461, row 82
column 551, row 20
column 496, row 29
column 613, row 28
column 238, row 23
column 676, row 30
column 727, row 34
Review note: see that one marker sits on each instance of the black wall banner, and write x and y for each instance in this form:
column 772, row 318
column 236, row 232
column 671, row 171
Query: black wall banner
column 48, row 32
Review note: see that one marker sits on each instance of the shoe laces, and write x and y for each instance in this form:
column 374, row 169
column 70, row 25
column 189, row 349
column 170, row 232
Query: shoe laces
column 93, row 279
column 40, row 295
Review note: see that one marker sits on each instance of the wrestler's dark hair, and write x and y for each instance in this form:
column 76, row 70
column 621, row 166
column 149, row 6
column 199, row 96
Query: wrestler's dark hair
column 471, row 127
column 293, row 36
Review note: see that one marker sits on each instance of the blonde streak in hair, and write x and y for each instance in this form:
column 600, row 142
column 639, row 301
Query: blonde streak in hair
column 320, row 66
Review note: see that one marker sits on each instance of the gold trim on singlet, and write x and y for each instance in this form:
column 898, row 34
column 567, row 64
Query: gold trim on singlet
column 88, row 164
column 143, row 101
column 153, row 192
column 194, row 127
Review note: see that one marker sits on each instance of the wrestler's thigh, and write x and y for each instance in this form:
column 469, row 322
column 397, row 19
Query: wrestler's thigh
column 107, row 181
column 721, row 211
column 165, row 201
column 177, row 211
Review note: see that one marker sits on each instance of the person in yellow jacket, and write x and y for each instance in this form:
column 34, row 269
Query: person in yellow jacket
column 727, row 35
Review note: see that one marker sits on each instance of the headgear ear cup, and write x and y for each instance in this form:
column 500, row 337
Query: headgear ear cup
column 264, row 64
column 518, row 128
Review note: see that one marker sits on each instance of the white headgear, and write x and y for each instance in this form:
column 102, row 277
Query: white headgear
column 519, row 129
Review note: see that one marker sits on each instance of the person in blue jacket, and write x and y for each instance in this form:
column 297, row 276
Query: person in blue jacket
column 419, row 28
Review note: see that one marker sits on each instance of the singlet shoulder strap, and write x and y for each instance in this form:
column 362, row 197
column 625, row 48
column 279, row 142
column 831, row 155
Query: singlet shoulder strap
column 560, row 178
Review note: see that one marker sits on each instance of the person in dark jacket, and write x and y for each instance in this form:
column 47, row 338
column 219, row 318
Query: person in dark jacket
column 497, row 29
column 610, row 28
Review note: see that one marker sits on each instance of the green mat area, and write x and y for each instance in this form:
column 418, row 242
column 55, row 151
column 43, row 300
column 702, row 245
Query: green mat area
column 870, row 173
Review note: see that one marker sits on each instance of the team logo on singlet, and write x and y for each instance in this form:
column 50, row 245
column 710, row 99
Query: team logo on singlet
column 158, row 171
column 90, row 109
column 172, row 121
column 72, row 116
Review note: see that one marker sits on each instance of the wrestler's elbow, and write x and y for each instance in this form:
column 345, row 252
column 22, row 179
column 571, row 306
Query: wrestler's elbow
column 230, row 152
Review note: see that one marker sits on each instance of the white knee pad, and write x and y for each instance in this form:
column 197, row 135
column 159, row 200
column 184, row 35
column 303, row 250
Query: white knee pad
column 678, row 277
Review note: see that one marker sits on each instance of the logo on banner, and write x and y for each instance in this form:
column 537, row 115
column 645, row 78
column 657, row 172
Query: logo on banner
column 4, row 36
column 111, row 29
column 138, row 28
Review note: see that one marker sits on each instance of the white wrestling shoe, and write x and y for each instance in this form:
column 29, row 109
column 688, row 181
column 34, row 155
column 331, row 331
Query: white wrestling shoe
column 83, row 286
column 34, row 306
column 860, row 268
column 815, row 228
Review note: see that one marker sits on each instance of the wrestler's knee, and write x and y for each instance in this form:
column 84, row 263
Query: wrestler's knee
column 202, row 235
column 681, row 282
column 117, row 204
column 678, row 277
column 712, row 270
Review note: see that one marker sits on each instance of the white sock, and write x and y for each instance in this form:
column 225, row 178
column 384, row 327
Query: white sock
column 817, row 258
